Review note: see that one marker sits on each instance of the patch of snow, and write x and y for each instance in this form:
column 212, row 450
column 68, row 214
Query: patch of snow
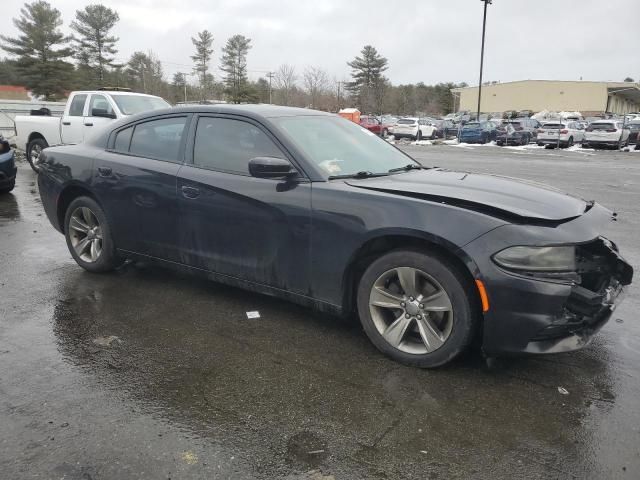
column 453, row 141
column 422, row 142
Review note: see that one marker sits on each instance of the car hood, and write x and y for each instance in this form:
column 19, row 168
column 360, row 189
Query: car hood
column 491, row 194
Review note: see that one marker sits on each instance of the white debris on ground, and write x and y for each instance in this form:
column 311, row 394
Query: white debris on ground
column 453, row 141
column 422, row 142
column 563, row 391
column 253, row 314
column 107, row 341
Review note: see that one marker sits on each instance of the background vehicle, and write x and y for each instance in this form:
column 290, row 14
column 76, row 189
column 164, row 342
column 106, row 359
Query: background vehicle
column 606, row 133
column 413, row 127
column 8, row 167
column 478, row 132
column 388, row 121
column 568, row 133
column 373, row 125
column 634, row 129
column 85, row 111
column 522, row 131
column 425, row 255
column 445, row 128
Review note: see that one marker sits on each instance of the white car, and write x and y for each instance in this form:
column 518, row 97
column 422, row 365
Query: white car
column 414, row 127
column 567, row 132
column 606, row 133
column 85, row 112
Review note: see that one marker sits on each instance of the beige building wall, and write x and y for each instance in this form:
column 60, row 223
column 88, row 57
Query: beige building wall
column 539, row 95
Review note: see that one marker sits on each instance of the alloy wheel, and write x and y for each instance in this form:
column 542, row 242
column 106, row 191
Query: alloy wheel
column 411, row 310
column 85, row 234
column 36, row 150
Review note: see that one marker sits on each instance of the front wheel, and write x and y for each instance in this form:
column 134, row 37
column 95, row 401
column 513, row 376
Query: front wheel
column 34, row 149
column 89, row 237
column 417, row 308
column 419, row 135
column 9, row 188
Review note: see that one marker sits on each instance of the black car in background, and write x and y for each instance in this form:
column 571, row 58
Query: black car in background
column 634, row 130
column 8, row 169
column 520, row 131
column 313, row 208
column 445, row 128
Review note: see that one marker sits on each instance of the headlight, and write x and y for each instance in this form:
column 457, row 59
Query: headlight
column 538, row 259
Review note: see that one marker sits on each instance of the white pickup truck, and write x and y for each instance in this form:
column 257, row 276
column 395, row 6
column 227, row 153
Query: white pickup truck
column 85, row 112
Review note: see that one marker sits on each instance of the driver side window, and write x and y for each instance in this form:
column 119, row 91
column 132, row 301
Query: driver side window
column 227, row 145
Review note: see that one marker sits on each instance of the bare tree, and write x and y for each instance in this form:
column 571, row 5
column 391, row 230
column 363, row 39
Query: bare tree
column 286, row 81
column 316, row 83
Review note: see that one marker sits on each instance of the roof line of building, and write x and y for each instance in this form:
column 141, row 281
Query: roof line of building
column 634, row 84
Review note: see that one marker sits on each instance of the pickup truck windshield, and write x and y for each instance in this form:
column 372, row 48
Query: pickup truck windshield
column 132, row 104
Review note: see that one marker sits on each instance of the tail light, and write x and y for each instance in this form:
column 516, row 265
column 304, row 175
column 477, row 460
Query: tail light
column 564, row 131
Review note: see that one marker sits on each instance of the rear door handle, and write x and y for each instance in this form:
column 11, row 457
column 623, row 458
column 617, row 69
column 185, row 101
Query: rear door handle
column 66, row 123
column 190, row 192
column 104, row 171
column 88, row 124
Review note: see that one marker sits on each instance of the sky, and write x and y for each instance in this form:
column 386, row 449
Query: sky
column 426, row 41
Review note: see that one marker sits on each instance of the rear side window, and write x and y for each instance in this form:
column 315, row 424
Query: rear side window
column 77, row 106
column 602, row 126
column 159, row 139
column 123, row 138
column 406, row 121
column 228, row 145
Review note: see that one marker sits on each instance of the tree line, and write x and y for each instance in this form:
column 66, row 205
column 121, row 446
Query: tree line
column 50, row 64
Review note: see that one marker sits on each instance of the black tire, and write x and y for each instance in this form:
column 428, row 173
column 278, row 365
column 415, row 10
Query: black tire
column 455, row 284
column 11, row 186
column 36, row 143
column 524, row 140
column 419, row 135
column 540, row 144
column 500, row 144
column 434, row 135
column 569, row 143
column 385, row 133
column 108, row 259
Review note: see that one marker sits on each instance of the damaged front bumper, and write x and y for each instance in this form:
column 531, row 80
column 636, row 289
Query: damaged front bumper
column 534, row 315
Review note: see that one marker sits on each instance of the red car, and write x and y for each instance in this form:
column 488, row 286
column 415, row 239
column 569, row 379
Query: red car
column 373, row 125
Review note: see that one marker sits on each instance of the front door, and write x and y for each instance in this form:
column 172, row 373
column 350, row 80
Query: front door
column 73, row 119
column 135, row 180
column 237, row 225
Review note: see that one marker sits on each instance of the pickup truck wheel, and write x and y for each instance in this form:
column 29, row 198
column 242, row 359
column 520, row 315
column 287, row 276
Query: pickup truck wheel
column 417, row 308
column 34, row 149
column 89, row 237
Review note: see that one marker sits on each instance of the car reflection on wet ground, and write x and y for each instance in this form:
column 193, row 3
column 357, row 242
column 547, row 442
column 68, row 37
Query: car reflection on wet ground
column 150, row 373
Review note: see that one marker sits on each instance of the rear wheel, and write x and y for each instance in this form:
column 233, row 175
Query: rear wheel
column 9, row 188
column 89, row 237
column 569, row 142
column 419, row 135
column 34, row 149
column 417, row 308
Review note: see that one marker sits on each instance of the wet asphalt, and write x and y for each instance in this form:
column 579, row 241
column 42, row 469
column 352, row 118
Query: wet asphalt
column 151, row 373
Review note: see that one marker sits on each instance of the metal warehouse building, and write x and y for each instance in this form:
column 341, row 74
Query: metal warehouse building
column 554, row 95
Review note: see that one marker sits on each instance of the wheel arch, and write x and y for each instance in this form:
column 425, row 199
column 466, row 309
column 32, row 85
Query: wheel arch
column 68, row 195
column 35, row 135
column 385, row 242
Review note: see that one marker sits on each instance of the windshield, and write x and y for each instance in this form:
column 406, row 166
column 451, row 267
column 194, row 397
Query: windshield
column 553, row 125
column 341, row 147
column 132, row 104
column 602, row 126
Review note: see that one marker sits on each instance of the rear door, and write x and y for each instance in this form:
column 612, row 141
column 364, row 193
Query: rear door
column 255, row 229
column 73, row 119
column 135, row 180
column 99, row 113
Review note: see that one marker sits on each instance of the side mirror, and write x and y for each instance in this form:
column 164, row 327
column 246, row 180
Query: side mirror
column 101, row 112
column 271, row 167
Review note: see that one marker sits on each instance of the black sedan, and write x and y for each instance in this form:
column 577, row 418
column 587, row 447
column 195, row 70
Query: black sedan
column 310, row 207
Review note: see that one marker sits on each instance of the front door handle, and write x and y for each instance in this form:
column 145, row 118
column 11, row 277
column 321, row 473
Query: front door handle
column 190, row 192
column 88, row 124
column 66, row 123
column 104, row 171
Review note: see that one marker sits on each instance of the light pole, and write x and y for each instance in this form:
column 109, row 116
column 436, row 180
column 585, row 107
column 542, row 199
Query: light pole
column 484, row 25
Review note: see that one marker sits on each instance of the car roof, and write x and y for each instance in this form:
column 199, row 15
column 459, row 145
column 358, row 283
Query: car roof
column 114, row 92
column 248, row 110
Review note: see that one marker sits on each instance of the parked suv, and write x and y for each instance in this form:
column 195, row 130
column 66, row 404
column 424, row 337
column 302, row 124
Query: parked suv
column 568, row 133
column 520, row 131
column 606, row 133
column 478, row 132
column 416, row 128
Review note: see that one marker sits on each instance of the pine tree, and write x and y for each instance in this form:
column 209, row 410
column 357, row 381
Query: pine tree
column 94, row 43
column 40, row 50
column 202, row 57
column 234, row 64
column 368, row 85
